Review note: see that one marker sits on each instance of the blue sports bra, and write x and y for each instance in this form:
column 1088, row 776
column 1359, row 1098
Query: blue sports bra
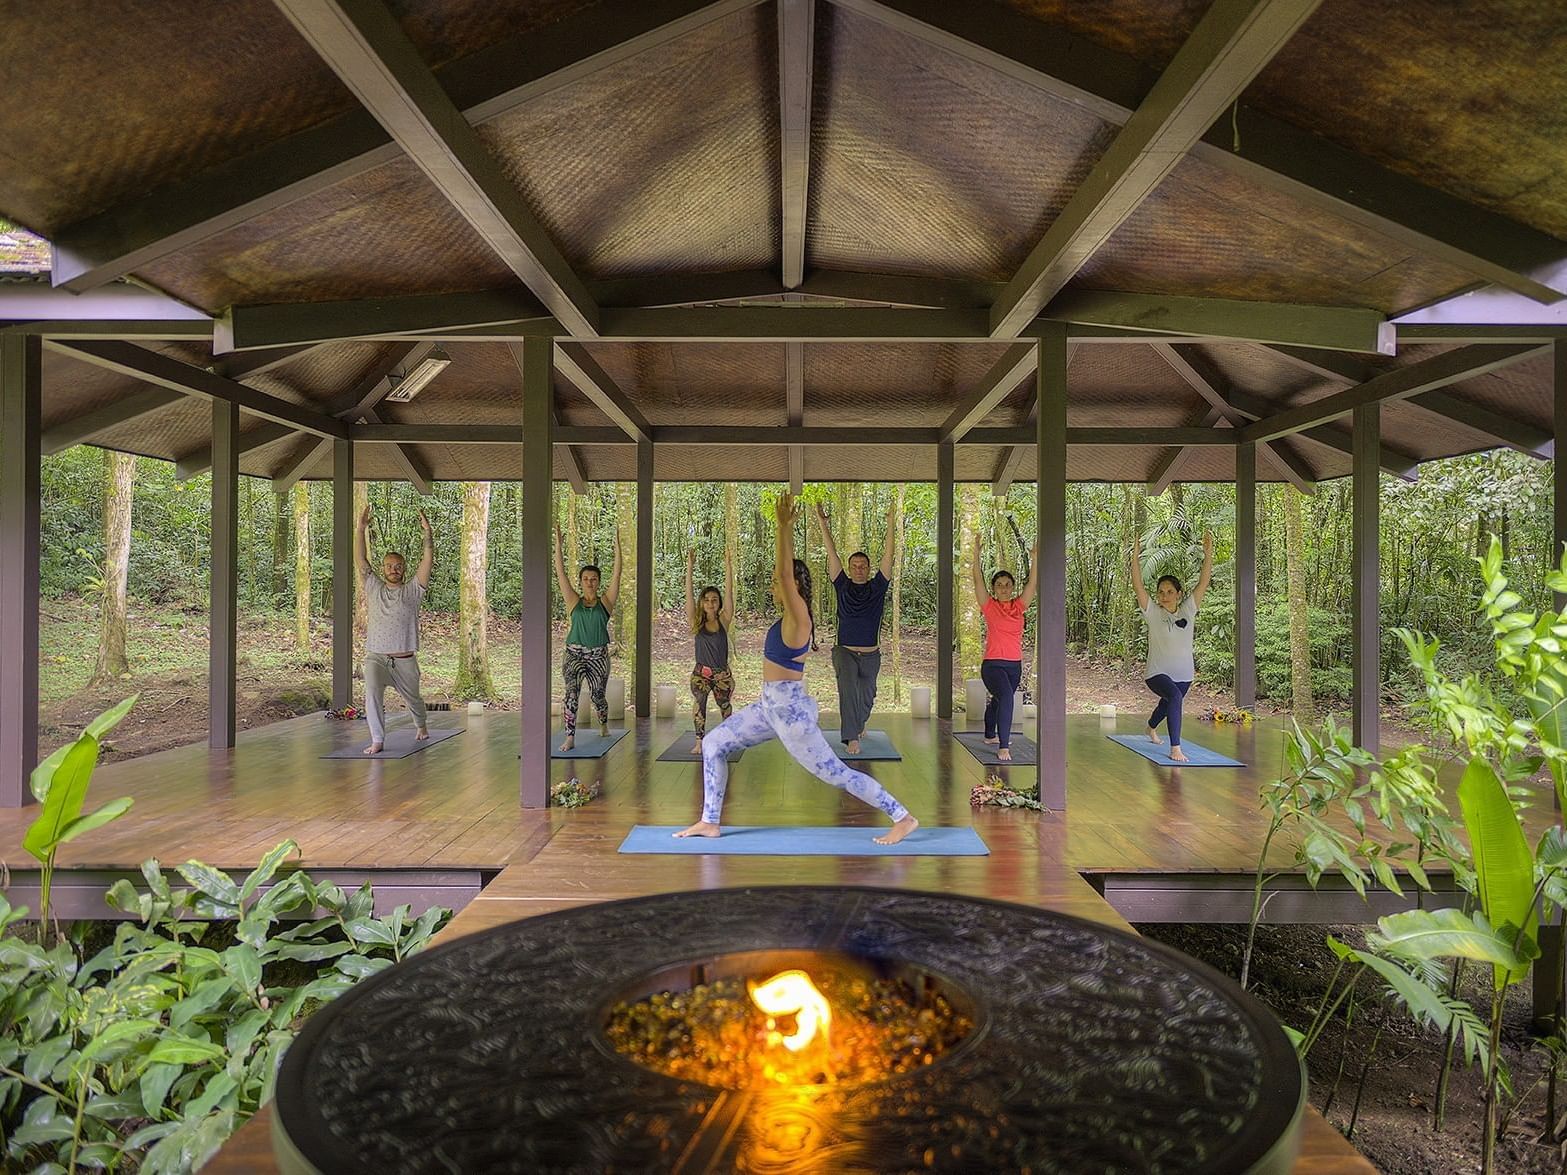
column 780, row 654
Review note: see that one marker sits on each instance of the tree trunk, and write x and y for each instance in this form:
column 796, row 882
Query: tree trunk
column 572, row 546
column 302, row 567
column 1131, row 534
column 732, row 539
column 967, row 626
column 626, row 521
column 897, row 597
column 473, row 601
column 282, row 547
column 362, row 601
column 119, row 475
column 1299, row 603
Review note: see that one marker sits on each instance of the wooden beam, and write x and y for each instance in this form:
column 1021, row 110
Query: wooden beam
column 151, row 367
column 794, row 400
column 787, row 322
column 1231, row 44
column 945, row 507
column 344, row 573
column 940, row 293
column 485, row 84
column 247, row 328
column 481, row 434
column 1365, row 588
column 576, row 476
column 1015, row 365
column 1050, row 567
column 121, row 410
column 242, row 366
column 583, row 370
column 412, row 468
column 1246, row 576
column 534, row 361
column 1200, row 375
column 1170, row 463
column 294, row 466
column 1012, row 456
column 1399, row 384
column 1515, row 434
column 1248, row 143
column 1394, row 461
column 643, row 662
column 796, row 51
column 645, row 291
column 369, row 391
column 21, row 495
column 1336, row 328
column 368, row 50
column 675, row 289
column 151, row 329
column 30, row 303
column 223, row 599
column 1477, row 310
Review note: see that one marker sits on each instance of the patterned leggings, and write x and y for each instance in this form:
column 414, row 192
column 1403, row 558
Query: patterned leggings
column 789, row 714
column 721, row 685
column 590, row 665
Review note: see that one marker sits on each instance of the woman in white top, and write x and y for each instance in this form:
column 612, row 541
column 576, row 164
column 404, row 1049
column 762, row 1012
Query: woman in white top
column 1172, row 621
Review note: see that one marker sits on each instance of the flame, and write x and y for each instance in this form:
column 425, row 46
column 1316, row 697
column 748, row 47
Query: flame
column 792, row 992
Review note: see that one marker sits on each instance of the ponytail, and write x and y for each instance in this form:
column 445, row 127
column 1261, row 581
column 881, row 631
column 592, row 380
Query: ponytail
column 802, row 581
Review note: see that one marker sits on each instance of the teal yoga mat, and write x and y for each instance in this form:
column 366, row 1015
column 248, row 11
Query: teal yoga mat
column 399, row 743
column 590, row 744
column 781, row 841
column 1197, row 756
column 874, row 745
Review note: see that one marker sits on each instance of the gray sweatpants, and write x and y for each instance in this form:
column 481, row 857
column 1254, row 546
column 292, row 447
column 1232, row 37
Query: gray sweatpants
column 402, row 674
column 857, row 673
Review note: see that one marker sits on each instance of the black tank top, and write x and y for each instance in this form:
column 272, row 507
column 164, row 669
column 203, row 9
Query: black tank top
column 712, row 648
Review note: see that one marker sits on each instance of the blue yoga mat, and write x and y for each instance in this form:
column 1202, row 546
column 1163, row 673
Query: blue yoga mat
column 1024, row 751
column 590, row 744
column 1159, row 753
column 778, row 841
column 874, row 744
column 679, row 751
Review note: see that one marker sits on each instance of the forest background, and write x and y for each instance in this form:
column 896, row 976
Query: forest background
column 125, row 563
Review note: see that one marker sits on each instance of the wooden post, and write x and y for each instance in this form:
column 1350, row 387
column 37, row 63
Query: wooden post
column 1050, row 521
column 1246, row 575
column 643, row 670
column 21, row 388
column 535, row 357
column 223, row 599
column 1367, row 576
column 344, row 525
column 945, row 455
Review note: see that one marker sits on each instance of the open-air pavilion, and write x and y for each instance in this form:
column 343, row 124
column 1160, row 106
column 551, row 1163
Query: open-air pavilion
column 998, row 242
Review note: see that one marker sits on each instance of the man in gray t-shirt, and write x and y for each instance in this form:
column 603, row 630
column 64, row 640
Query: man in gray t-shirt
column 392, row 630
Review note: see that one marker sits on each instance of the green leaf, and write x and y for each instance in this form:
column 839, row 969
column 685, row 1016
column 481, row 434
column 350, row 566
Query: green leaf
column 42, row 778
column 361, row 966
column 119, row 1033
column 370, row 930
column 263, row 872
column 1444, row 934
column 206, row 995
column 214, row 883
column 63, row 803
column 42, row 1058
column 242, row 964
column 154, row 1087
column 183, row 1050
column 1504, row 866
column 110, row 718
column 113, row 810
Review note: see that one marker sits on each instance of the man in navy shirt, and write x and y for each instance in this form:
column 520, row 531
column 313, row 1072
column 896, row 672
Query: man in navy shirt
column 856, row 658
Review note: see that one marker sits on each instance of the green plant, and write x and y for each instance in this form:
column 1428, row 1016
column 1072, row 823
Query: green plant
column 154, row 1049
column 59, row 784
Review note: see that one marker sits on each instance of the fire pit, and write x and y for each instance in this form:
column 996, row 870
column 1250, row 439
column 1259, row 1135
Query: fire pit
column 668, row 1033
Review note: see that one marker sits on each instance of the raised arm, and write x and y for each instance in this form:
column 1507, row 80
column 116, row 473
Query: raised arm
column 427, row 560
column 834, row 568
column 726, row 614
column 613, row 592
column 980, row 590
column 1031, row 588
column 891, row 544
column 1137, row 574
column 568, row 594
column 796, row 627
column 1203, row 580
column 693, row 614
column 361, row 554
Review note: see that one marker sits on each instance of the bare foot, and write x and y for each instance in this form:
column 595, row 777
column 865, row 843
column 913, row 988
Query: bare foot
column 696, row 747
column 421, row 735
column 571, row 741
column 854, row 746
column 1178, row 755
column 700, row 828
column 898, row 831
column 992, row 739
column 1004, row 755
column 1153, row 736
column 603, row 730
column 373, row 749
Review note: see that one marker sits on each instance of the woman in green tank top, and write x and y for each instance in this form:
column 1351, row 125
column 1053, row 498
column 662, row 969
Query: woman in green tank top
column 587, row 640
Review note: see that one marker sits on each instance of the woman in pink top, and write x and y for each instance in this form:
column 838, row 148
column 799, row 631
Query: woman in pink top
column 1002, row 669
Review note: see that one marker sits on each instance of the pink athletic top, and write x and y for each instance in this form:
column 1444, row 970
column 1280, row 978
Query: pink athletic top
column 1003, row 629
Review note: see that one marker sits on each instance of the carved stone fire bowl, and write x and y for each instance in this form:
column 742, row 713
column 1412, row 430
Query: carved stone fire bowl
column 1090, row 1050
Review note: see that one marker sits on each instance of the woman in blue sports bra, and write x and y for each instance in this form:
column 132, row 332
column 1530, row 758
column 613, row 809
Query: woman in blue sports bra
column 785, row 711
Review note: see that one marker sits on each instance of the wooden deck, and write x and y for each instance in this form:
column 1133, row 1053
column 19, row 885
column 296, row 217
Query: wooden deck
column 453, row 810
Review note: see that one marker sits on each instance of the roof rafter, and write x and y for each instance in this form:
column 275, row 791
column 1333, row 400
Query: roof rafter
column 1167, row 468
column 487, row 83
column 413, row 468
column 1399, row 384
column 249, row 328
column 573, row 361
column 366, row 47
column 1231, row 44
column 120, row 410
column 1335, row 328
column 1012, row 456
column 1016, row 364
column 303, row 457
column 1269, row 151
column 794, row 403
column 796, row 51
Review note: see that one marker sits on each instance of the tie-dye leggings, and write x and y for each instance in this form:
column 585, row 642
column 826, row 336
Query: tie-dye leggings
column 789, row 714
column 590, row 665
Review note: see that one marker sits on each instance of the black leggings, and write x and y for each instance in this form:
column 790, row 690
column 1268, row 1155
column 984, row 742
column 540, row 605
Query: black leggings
column 1001, row 679
column 1171, row 695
